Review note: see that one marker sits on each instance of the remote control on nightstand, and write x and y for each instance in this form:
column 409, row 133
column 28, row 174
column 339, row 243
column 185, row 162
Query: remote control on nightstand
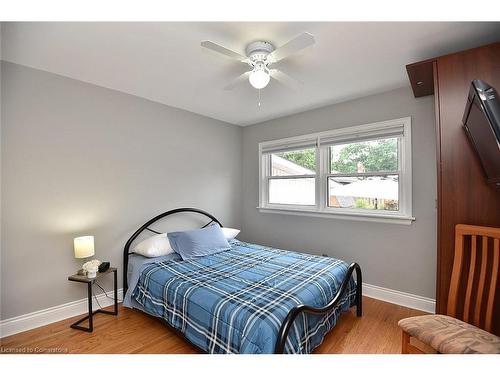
column 104, row 266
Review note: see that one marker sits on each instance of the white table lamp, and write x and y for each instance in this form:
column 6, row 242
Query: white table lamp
column 84, row 246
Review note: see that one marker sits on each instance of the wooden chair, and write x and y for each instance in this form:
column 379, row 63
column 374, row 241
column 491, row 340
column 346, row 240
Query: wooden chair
column 467, row 324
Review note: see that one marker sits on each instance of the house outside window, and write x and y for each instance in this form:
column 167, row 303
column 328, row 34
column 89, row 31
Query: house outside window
column 361, row 172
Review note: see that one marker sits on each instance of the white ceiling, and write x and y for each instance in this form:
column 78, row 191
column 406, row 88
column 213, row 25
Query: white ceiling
column 164, row 62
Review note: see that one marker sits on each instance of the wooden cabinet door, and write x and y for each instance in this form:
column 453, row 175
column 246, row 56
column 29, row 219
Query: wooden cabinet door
column 463, row 194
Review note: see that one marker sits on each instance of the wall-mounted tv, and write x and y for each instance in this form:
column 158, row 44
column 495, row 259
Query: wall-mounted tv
column 482, row 124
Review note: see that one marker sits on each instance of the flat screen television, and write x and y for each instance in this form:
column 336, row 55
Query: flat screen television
column 482, row 124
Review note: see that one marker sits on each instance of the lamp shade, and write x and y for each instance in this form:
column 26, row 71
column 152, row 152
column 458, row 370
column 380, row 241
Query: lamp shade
column 259, row 76
column 84, row 246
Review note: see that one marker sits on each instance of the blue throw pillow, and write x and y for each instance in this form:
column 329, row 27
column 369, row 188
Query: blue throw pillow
column 198, row 242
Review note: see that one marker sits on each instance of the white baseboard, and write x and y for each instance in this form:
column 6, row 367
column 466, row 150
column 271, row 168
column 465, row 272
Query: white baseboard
column 53, row 314
column 400, row 298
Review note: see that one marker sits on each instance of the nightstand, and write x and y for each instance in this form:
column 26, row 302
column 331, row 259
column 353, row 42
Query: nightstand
column 85, row 279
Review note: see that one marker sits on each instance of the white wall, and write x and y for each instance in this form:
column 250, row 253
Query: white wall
column 393, row 256
column 79, row 159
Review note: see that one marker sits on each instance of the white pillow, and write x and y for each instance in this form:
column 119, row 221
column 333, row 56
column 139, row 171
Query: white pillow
column 154, row 246
column 230, row 233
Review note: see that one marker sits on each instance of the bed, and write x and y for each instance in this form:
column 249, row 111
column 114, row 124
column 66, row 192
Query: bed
column 248, row 299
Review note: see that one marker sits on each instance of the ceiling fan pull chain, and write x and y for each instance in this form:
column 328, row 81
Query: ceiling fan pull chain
column 259, row 96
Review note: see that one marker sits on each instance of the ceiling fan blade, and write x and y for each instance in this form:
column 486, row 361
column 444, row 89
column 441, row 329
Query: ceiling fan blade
column 235, row 82
column 285, row 79
column 223, row 50
column 302, row 41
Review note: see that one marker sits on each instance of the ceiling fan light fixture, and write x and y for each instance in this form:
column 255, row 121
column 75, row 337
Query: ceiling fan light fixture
column 261, row 55
column 259, row 77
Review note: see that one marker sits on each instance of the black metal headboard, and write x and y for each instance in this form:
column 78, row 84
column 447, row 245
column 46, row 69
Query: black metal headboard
column 126, row 249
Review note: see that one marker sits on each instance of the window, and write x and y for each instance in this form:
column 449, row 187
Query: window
column 293, row 177
column 361, row 172
column 364, row 175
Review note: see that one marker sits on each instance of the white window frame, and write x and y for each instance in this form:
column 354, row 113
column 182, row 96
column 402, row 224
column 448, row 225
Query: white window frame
column 321, row 209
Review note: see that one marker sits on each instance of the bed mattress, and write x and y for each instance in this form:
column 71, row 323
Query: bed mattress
column 235, row 301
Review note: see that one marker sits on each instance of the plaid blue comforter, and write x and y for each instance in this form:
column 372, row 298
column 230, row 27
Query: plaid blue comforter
column 236, row 300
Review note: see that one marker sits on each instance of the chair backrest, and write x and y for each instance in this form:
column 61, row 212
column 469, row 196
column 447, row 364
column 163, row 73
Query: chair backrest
column 477, row 247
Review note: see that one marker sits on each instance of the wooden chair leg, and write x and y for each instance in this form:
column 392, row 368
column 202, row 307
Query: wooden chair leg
column 405, row 342
column 408, row 348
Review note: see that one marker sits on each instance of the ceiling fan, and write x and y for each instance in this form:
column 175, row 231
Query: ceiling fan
column 260, row 56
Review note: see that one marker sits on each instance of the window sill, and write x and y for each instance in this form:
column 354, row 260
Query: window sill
column 380, row 218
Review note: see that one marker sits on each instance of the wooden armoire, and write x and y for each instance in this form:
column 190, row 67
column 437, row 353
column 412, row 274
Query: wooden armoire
column 463, row 196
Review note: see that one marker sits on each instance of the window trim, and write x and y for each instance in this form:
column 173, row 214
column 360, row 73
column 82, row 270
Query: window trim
column 321, row 209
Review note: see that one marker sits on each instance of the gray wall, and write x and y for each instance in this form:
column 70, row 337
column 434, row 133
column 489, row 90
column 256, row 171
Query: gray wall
column 79, row 159
column 1, row 27
column 394, row 256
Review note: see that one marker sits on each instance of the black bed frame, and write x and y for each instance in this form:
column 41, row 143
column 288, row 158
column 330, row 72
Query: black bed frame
column 287, row 323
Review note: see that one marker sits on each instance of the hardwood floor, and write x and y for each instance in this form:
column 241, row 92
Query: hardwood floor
column 135, row 332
